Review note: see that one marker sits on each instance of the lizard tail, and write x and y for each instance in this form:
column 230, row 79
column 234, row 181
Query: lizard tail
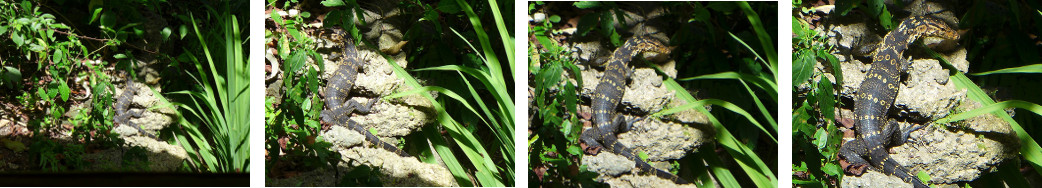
column 643, row 166
column 376, row 140
column 892, row 168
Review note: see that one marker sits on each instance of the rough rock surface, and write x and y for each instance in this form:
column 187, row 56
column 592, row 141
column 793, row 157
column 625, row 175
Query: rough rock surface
column 608, row 164
column 630, row 180
column 397, row 170
column 162, row 157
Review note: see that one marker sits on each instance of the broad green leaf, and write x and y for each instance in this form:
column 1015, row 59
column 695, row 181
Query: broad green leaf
column 333, row 3
column 837, row 70
column 832, row 169
column 108, row 20
column 183, row 31
column 555, row 18
column 295, row 61
column 587, row 4
column 18, row 39
column 12, row 77
column 166, row 33
column 826, row 100
column 59, row 56
column 802, row 68
column 96, row 12
column 63, row 88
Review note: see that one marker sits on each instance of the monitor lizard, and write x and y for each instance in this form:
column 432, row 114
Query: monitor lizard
column 123, row 111
column 339, row 106
column 878, row 92
column 607, row 96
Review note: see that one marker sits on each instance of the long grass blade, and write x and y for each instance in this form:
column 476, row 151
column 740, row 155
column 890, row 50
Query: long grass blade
column 992, row 108
column 751, row 163
column 1036, row 68
column 756, row 99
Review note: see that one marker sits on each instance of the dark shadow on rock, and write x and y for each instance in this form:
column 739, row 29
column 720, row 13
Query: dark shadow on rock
column 98, row 165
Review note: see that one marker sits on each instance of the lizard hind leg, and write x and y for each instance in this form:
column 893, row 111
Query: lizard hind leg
column 354, row 106
column 628, row 126
column 897, row 136
column 618, row 124
column 854, row 151
column 590, row 137
column 903, row 135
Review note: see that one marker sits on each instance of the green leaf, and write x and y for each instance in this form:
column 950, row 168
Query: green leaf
column 333, row 3
column 802, row 68
column 295, row 61
column 59, row 56
column 547, row 43
column 40, row 92
column 18, row 39
column 138, row 32
column 37, row 47
column 837, row 70
column 923, row 176
column 94, row 16
column 587, row 4
column 826, row 100
column 166, row 33
column 108, row 20
column 821, row 138
column 832, row 169
column 183, row 31
column 555, row 18
column 120, row 56
column 574, row 150
column 63, row 88
column 26, row 5
column 885, row 20
column 11, row 76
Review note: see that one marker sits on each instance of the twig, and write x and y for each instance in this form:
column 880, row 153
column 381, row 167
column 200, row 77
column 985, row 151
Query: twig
column 101, row 40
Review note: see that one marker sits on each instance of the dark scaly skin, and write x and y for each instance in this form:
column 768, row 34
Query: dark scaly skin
column 607, row 96
column 340, row 108
column 122, row 106
column 877, row 93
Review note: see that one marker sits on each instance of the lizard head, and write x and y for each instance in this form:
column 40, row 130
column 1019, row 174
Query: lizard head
column 645, row 44
column 928, row 26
